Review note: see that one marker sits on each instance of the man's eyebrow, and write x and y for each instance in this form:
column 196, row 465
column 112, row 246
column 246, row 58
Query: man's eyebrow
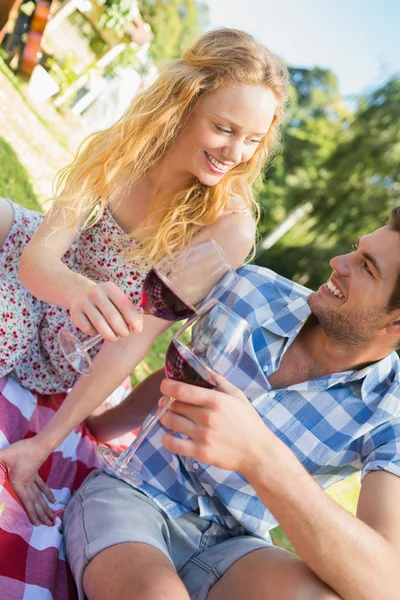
column 373, row 262
column 370, row 259
column 233, row 124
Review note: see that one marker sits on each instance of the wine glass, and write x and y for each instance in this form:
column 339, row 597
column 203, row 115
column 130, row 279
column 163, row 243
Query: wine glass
column 172, row 290
column 217, row 338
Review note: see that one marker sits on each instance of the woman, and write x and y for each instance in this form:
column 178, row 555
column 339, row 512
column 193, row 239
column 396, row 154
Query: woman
column 176, row 169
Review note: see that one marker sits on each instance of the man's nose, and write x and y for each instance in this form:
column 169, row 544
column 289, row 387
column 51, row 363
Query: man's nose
column 341, row 264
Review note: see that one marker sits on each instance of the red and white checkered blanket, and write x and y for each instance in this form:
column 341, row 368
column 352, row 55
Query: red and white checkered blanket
column 32, row 559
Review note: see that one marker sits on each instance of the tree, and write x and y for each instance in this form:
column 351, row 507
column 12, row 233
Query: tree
column 175, row 23
column 358, row 184
column 315, row 118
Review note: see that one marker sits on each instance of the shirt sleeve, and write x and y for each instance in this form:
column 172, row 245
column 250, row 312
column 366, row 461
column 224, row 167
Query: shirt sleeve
column 381, row 449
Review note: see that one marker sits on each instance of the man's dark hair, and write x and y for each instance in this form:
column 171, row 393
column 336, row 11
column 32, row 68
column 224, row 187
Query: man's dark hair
column 394, row 223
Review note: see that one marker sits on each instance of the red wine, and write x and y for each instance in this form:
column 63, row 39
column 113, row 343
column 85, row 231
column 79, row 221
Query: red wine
column 182, row 365
column 160, row 300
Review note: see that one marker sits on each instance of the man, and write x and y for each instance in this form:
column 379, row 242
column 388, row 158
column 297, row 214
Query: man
column 315, row 398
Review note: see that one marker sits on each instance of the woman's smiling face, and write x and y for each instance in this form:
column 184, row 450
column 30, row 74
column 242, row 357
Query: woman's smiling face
column 224, row 130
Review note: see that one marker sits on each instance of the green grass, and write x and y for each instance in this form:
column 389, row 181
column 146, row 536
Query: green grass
column 15, row 181
column 154, row 360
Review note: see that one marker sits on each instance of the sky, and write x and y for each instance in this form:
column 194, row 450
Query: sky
column 357, row 39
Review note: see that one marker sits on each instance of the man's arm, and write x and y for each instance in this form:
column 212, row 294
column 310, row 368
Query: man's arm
column 130, row 413
column 358, row 557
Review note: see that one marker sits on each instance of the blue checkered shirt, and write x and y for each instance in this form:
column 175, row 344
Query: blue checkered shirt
column 335, row 425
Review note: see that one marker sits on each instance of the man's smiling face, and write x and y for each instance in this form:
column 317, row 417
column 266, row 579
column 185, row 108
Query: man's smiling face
column 352, row 305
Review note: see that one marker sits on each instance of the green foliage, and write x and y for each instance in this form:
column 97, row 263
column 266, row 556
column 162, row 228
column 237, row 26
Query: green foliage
column 63, row 74
column 15, row 182
column 175, row 23
column 346, row 165
column 117, row 14
column 315, row 118
column 126, row 58
column 154, row 359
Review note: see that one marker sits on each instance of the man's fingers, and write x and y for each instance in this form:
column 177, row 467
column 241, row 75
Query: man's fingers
column 199, row 396
column 187, row 393
column 200, row 415
column 226, row 387
column 178, row 424
column 178, row 445
column 43, row 487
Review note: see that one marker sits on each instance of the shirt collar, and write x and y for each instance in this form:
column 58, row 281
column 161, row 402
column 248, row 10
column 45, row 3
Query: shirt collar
column 287, row 322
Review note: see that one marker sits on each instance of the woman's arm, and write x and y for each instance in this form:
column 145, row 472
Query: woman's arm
column 130, row 413
column 41, row 269
column 235, row 233
column 110, row 367
column 95, row 308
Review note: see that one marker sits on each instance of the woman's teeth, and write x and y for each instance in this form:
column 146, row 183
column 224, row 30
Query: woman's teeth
column 332, row 288
column 216, row 164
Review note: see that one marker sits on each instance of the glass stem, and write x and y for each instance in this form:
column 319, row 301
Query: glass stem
column 126, row 456
column 92, row 342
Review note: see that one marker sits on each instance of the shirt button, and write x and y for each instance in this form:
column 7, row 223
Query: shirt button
column 271, row 395
column 265, row 369
column 195, row 466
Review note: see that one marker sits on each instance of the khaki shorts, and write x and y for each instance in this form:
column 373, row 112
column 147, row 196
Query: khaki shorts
column 106, row 511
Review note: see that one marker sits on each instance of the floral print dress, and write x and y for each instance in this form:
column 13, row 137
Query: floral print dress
column 29, row 348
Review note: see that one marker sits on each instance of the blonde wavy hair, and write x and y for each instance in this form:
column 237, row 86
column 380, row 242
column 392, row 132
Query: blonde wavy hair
column 110, row 161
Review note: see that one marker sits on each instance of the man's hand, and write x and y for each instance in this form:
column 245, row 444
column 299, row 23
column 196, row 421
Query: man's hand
column 22, row 461
column 222, row 427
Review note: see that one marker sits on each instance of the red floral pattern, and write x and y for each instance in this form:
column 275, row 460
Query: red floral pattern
column 29, row 348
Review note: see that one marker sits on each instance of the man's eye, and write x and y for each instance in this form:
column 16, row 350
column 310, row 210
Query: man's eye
column 366, row 267
column 353, row 247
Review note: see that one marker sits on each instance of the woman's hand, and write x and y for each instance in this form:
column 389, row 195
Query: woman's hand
column 103, row 308
column 22, row 461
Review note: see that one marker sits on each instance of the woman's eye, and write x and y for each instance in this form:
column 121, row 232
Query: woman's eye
column 256, row 141
column 223, row 130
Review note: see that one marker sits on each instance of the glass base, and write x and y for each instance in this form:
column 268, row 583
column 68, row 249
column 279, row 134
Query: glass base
column 127, row 473
column 74, row 352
